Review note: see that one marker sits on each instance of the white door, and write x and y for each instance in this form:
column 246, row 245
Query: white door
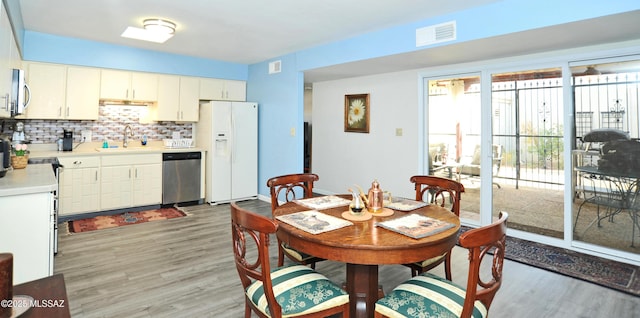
column 221, row 151
column 244, row 157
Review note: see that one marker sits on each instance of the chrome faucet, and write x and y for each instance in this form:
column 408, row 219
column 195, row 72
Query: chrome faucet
column 125, row 143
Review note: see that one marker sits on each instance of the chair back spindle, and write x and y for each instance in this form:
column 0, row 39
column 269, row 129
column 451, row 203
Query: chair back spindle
column 287, row 187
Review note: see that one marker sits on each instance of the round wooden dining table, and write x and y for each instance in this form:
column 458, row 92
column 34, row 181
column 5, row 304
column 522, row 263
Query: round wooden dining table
column 364, row 246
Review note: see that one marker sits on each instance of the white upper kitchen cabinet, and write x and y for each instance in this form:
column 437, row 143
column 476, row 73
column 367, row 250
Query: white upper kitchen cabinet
column 62, row 92
column 83, row 93
column 48, row 89
column 189, row 99
column 131, row 86
column 7, row 45
column 219, row 89
column 178, row 99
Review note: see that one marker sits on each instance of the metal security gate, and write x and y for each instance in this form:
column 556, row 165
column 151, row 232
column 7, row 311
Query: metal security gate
column 527, row 121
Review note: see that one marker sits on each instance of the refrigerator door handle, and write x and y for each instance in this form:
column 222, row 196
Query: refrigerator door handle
column 233, row 138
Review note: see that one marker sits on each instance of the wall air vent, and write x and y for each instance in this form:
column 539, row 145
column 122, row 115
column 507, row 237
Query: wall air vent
column 275, row 67
column 436, row 33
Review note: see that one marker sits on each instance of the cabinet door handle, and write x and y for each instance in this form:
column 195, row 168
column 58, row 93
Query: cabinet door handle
column 60, row 111
column 127, row 95
column 133, row 96
column 136, row 173
column 96, row 175
column 6, row 102
column 67, row 111
column 77, row 162
column 129, row 173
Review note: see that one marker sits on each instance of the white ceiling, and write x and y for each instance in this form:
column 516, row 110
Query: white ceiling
column 243, row 31
column 250, row 31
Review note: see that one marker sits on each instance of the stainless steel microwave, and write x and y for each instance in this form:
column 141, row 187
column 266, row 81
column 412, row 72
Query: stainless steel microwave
column 20, row 93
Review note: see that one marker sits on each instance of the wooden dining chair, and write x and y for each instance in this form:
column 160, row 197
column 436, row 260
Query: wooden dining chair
column 428, row 295
column 288, row 188
column 290, row 291
column 445, row 193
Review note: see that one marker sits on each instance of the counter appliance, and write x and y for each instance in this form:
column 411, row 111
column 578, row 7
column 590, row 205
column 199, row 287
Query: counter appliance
column 67, row 140
column 5, row 156
column 228, row 131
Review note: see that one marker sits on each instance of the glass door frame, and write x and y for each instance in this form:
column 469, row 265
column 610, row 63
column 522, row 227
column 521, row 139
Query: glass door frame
column 568, row 206
column 485, row 70
column 485, row 144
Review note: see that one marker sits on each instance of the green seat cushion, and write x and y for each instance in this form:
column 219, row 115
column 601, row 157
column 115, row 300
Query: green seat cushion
column 299, row 290
column 427, row 295
column 300, row 256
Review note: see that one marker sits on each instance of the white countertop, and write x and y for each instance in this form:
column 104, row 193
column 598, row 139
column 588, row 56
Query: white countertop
column 35, row 178
column 95, row 149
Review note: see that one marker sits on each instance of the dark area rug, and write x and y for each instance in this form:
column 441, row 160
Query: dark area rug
column 615, row 275
column 127, row 218
column 607, row 273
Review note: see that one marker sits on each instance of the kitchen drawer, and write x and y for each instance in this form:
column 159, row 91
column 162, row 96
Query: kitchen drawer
column 79, row 162
column 125, row 160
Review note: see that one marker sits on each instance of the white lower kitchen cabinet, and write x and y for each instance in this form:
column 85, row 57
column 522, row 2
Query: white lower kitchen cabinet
column 79, row 185
column 130, row 180
column 26, row 231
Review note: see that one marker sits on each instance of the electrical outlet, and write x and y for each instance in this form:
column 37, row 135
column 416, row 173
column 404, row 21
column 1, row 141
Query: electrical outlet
column 86, row 135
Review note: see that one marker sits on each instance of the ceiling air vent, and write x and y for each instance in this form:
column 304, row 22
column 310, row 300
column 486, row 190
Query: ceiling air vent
column 274, row 67
column 436, row 33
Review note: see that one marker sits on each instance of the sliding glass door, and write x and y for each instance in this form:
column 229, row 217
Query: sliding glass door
column 527, row 121
column 453, row 135
column 557, row 147
column 606, row 155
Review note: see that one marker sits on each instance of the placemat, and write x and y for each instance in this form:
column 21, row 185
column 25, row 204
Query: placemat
column 416, row 225
column 313, row 221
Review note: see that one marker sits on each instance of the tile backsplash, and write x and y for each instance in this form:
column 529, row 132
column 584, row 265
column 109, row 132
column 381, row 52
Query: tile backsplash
column 110, row 124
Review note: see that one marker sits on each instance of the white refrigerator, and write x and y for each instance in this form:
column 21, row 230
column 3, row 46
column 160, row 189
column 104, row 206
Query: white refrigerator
column 228, row 132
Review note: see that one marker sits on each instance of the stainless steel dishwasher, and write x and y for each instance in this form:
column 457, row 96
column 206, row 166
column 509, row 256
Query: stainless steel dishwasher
column 181, row 178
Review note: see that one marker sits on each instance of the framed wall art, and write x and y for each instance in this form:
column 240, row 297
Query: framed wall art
column 356, row 113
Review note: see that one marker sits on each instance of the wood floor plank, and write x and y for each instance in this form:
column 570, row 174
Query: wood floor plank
column 184, row 268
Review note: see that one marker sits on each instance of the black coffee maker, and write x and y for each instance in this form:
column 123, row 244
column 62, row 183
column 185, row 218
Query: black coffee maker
column 67, row 140
column 5, row 156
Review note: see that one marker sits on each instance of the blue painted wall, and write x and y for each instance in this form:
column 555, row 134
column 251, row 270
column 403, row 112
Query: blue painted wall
column 278, row 95
column 64, row 50
column 281, row 95
column 500, row 18
column 286, row 102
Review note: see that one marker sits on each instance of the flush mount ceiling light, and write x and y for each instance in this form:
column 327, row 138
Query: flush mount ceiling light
column 155, row 30
column 159, row 25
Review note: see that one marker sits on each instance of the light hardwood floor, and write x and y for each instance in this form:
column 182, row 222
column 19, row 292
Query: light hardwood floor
column 184, row 268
